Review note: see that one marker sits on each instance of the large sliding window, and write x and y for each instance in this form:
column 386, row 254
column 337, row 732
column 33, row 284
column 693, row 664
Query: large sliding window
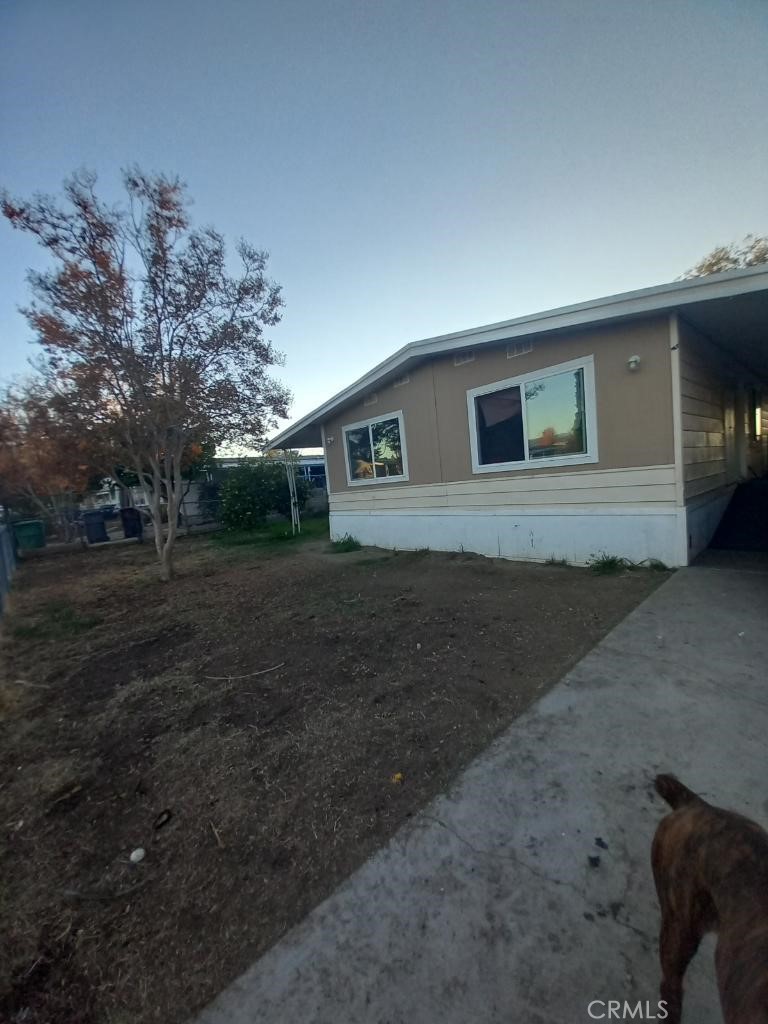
column 375, row 450
column 541, row 418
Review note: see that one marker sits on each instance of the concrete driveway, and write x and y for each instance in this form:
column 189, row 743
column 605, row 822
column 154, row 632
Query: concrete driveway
column 525, row 893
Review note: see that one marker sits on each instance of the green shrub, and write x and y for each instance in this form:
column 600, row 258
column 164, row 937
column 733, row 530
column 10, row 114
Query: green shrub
column 253, row 490
column 657, row 565
column 347, row 543
column 605, row 564
column 273, row 535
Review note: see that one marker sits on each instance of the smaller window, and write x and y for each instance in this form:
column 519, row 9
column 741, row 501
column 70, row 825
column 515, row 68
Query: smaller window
column 375, row 450
column 463, row 357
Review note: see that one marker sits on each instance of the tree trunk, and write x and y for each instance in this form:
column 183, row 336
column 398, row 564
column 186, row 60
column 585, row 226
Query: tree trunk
column 166, row 475
column 157, row 524
column 153, row 486
column 173, row 490
column 170, row 539
column 166, row 563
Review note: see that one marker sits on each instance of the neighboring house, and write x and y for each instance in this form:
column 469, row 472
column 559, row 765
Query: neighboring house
column 196, row 508
column 310, row 467
column 620, row 425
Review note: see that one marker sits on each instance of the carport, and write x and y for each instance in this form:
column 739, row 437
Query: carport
column 720, row 379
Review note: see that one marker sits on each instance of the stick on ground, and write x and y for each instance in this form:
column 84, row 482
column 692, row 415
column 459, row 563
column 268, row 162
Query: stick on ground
column 248, row 675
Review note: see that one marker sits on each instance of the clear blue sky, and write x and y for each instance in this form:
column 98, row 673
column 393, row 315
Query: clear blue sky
column 413, row 166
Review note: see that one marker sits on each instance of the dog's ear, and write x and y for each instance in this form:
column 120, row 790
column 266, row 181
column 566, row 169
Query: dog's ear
column 673, row 791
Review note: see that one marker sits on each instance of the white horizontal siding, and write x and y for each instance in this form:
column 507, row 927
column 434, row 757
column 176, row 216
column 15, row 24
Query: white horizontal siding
column 650, row 486
column 705, row 453
column 695, row 488
column 702, row 404
column 697, row 391
column 695, row 421
column 529, row 535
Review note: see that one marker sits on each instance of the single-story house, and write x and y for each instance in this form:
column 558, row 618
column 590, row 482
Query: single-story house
column 617, row 426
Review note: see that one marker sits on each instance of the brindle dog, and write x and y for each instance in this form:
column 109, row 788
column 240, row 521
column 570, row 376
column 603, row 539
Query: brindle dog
column 711, row 872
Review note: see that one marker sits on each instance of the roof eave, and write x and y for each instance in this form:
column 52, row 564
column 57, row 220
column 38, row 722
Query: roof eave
column 658, row 299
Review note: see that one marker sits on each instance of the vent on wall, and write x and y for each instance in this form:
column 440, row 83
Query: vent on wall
column 371, row 399
column 401, row 380
column 463, row 357
column 519, row 348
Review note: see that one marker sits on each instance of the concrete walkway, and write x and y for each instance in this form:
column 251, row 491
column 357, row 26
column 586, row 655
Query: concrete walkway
column 493, row 906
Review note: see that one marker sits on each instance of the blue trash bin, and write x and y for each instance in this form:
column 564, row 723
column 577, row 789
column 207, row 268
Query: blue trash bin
column 132, row 524
column 95, row 530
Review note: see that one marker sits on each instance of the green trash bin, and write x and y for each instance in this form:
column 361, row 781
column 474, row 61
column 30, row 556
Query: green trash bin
column 30, row 534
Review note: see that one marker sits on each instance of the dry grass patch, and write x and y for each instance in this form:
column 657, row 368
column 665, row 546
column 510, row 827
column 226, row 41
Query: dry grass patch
column 145, row 718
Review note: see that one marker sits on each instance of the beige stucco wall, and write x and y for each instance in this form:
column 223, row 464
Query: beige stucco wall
column 634, row 410
column 417, row 403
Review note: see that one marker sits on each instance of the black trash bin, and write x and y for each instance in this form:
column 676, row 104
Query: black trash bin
column 95, row 530
column 132, row 524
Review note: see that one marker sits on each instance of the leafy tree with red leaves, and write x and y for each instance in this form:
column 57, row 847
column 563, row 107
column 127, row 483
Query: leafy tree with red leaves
column 45, row 464
column 149, row 341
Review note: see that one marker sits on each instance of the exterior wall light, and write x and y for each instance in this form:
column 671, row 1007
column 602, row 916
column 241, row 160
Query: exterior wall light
column 633, row 363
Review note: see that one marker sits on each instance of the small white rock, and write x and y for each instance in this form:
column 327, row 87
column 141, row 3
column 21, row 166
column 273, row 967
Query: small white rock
column 138, row 855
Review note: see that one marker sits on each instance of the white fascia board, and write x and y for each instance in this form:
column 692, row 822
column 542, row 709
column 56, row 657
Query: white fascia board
column 646, row 300
column 658, row 299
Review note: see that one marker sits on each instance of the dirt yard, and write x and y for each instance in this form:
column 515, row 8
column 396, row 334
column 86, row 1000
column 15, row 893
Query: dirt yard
column 259, row 728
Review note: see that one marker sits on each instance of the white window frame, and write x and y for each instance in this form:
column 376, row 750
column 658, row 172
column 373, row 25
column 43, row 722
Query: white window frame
column 587, row 365
column 398, row 415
